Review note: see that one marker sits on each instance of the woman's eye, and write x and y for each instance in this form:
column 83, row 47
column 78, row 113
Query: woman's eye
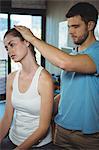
column 6, row 48
column 11, row 44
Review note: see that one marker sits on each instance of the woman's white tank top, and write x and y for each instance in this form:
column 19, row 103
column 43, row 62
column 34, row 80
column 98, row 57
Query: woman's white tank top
column 27, row 111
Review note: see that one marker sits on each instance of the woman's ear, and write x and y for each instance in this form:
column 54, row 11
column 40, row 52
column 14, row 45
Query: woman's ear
column 27, row 43
column 91, row 25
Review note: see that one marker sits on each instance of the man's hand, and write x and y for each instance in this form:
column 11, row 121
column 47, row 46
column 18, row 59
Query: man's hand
column 25, row 32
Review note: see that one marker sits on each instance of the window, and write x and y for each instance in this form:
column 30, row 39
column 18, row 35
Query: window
column 35, row 23
column 32, row 22
column 97, row 30
column 3, row 57
column 65, row 41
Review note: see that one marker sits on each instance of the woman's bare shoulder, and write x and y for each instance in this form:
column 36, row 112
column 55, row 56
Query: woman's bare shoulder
column 11, row 76
column 45, row 76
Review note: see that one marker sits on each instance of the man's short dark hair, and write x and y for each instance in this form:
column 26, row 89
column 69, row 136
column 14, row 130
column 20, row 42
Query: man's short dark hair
column 87, row 11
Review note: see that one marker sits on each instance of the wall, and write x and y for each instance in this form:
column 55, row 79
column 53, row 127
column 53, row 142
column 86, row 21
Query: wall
column 56, row 10
column 55, row 14
column 32, row 4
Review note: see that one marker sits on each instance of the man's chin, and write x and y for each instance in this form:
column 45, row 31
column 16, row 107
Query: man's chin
column 77, row 43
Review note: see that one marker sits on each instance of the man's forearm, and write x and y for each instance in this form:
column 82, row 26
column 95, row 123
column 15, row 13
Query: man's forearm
column 51, row 53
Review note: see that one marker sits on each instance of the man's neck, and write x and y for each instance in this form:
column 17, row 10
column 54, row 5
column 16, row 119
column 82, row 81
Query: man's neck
column 87, row 43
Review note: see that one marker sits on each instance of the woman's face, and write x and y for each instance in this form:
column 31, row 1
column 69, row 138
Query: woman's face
column 17, row 49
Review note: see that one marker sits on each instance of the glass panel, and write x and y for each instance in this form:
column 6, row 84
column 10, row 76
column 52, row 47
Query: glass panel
column 3, row 24
column 3, row 29
column 36, row 28
column 3, row 56
column 65, row 40
column 32, row 22
column 97, row 30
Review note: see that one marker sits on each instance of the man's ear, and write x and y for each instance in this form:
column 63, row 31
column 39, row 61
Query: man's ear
column 91, row 25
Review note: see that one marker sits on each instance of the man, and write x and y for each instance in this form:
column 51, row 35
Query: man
column 77, row 120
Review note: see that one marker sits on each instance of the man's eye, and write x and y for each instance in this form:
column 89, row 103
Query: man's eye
column 77, row 26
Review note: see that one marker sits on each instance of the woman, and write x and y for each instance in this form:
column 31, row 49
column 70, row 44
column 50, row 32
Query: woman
column 29, row 95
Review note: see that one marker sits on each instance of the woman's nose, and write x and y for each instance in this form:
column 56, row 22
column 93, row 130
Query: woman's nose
column 10, row 50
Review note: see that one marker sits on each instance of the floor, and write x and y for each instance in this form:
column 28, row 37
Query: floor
column 2, row 109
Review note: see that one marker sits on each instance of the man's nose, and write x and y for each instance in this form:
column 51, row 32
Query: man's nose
column 71, row 30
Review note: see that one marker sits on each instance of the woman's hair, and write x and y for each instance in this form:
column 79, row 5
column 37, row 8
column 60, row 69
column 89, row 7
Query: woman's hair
column 15, row 33
column 86, row 10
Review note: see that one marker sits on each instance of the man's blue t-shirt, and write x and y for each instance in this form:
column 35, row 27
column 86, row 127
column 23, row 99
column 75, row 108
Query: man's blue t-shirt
column 79, row 103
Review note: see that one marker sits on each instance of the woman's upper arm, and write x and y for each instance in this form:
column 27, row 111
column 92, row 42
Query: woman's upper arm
column 9, row 108
column 47, row 97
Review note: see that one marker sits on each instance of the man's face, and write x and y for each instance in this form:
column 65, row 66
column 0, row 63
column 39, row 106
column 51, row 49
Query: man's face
column 78, row 29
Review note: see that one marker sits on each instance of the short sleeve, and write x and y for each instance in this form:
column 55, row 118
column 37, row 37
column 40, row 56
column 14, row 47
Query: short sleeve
column 95, row 57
